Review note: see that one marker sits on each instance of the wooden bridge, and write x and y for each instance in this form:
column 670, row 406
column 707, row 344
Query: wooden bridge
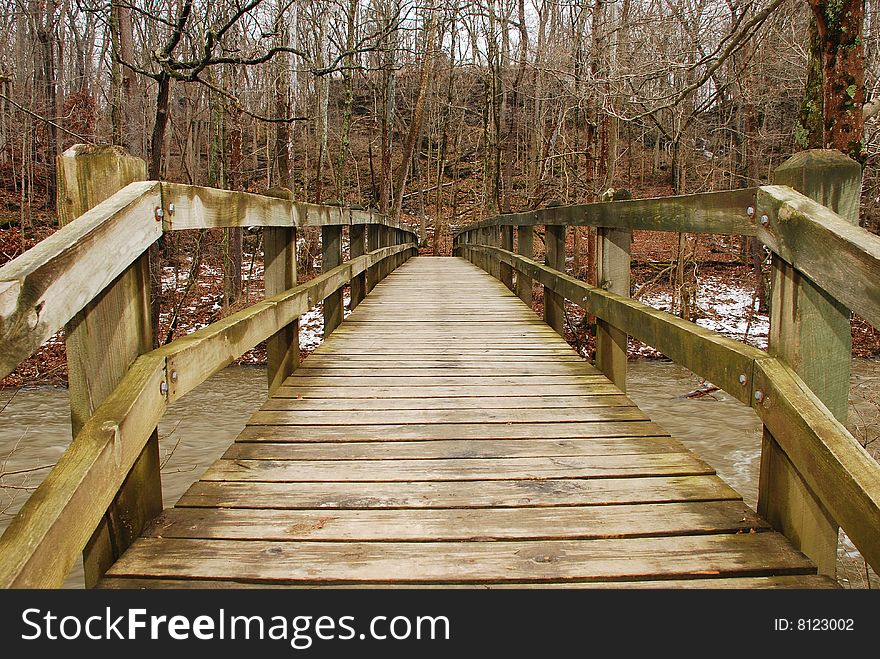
column 443, row 435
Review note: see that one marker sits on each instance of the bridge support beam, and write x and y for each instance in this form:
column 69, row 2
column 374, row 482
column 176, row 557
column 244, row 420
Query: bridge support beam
column 102, row 342
column 554, row 257
column 809, row 331
column 331, row 256
column 525, row 245
column 279, row 250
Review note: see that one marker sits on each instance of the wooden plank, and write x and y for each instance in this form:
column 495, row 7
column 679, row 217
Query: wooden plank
column 613, row 275
column 279, row 254
column 44, row 540
column 460, row 448
column 457, row 494
column 721, row 212
column 455, row 469
column 506, row 242
column 446, row 403
column 715, row 582
column 480, row 524
column 471, row 562
column 561, row 430
column 42, row 289
column 293, row 390
column 465, row 416
column 444, row 370
column 461, row 380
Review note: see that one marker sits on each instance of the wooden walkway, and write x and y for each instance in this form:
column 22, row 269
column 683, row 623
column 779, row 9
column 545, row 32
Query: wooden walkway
column 444, row 435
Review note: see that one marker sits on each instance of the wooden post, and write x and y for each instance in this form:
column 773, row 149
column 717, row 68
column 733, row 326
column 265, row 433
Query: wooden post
column 613, row 271
column 507, row 243
column 358, row 247
column 102, row 342
column 331, row 256
column 613, row 274
column 809, row 331
column 372, row 245
column 525, row 245
column 554, row 257
column 279, row 254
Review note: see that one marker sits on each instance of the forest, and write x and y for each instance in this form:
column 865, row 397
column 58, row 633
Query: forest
column 437, row 113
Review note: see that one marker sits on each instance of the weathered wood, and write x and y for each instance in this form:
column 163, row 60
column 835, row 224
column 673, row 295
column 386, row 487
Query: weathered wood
column 331, row 256
column 809, row 331
column 456, row 494
column 833, row 251
column 402, row 390
column 193, row 358
column 46, row 537
column 723, row 212
column 842, row 480
column 426, row 525
column 449, row 403
column 554, row 257
column 104, row 339
column 714, row 582
column 506, row 242
column 723, row 361
column 467, row 562
column 372, row 272
column 525, row 245
column 358, row 247
column 451, row 448
column 279, row 254
column 45, row 287
column 613, row 275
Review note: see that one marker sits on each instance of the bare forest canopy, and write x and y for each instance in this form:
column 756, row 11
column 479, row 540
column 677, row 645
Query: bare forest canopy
column 444, row 112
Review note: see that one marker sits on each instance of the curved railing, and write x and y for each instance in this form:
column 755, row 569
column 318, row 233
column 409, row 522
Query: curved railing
column 90, row 276
column 814, row 474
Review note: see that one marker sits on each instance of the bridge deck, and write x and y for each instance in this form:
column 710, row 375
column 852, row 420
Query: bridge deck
column 444, row 435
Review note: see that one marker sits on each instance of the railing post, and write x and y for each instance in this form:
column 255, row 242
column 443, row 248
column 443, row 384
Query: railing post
column 331, row 256
column 102, row 342
column 279, row 257
column 358, row 247
column 372, row 245
column 525, row 246
column 507, row 243
column 809, row 331
column 613, row 274
column 554, row 257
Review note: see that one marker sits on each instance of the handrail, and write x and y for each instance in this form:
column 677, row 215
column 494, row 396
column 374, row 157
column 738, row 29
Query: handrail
column 43, row 541
column 836, row 467
column 46, row 286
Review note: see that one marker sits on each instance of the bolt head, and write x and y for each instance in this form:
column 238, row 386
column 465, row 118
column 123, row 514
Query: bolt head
column 750, row 211
column 171, row 208
column 163, row 388
column 765, row 220
column 174, row 376
column 742, row 378
column 759, row 395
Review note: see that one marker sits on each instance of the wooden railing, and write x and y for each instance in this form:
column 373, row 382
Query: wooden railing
column 814, row 476
column 92, row 277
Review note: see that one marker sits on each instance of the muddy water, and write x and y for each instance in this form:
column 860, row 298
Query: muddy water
column 34, row 429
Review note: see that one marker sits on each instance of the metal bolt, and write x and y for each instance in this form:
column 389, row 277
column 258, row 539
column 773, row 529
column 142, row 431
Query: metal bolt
column 743, row 379
column 759, row 395
column 159, row 213
column 765, row 220
column 750, row 211
column 163, row 388
column 171, row 208
column 174, row 376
